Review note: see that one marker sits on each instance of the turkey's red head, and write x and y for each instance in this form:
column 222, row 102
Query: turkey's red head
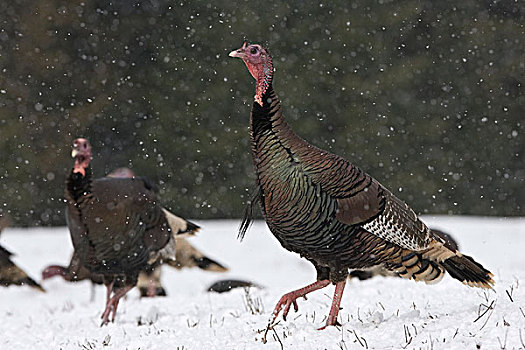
column 82, row 154
column 259, row 63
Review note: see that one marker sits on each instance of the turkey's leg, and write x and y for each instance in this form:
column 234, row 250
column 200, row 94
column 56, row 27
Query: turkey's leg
column 112, row 304
column 152, row 289
column 334, row 310
column 290, row 298
column 109, row 288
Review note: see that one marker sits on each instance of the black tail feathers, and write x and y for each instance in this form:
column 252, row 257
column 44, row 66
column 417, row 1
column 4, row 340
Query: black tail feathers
column 468, row 271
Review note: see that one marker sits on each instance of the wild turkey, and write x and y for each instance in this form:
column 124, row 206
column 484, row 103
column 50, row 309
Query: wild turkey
column 332, row 213
column 380, row 270
column 10, row 274
column 149, row 283
column 116, row 225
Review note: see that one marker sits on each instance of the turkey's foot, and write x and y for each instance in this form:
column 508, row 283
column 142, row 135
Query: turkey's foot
column 112, row 305
column 290, row 299
column 330, row 322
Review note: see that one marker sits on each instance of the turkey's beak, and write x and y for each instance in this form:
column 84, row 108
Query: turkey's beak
column 239, row 53
column 74, row 152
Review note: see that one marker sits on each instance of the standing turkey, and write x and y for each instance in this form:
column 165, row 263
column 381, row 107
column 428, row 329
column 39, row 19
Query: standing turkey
column 332, row 213
column 116, row 224
column 149, row 282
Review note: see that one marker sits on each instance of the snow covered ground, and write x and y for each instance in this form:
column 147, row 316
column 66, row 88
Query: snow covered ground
column 382, row 313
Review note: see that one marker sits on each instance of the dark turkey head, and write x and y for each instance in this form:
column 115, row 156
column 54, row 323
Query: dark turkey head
column 82, row 154
column 259, row 63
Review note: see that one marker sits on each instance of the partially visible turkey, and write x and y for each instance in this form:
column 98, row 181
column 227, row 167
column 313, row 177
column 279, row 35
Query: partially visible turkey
column 149, row 282
column 332, row 213
column 116, row 224
column 10, row 274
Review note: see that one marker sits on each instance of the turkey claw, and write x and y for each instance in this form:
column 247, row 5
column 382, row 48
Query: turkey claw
column 287, row 308
column 330, row 322
column 286, row 300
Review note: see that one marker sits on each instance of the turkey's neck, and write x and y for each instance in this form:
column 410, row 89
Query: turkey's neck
column 272, row 139
column 77, row 185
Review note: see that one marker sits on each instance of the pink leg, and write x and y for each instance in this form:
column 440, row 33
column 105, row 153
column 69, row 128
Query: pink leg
column 290, row 298
column 109, row 288
column 112, row 304
column 334, row 310
column 152, row 289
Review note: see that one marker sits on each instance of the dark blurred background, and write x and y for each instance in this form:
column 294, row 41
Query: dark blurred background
column 426, row 96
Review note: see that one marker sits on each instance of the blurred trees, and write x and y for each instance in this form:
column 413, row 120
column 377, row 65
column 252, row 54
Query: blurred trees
column 427, row 96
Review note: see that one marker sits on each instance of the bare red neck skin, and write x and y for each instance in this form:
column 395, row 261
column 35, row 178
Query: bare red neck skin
column 81, row 163
column 262, row 72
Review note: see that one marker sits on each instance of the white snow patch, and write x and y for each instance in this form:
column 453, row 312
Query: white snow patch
column 382, row 313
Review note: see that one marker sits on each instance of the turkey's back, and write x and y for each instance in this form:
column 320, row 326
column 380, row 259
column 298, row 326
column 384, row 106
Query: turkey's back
column 118, row 226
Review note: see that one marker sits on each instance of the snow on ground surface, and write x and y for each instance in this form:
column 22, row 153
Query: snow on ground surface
column 382, row 313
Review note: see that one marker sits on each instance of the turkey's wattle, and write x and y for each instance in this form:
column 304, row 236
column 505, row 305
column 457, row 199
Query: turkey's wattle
column 333, row 214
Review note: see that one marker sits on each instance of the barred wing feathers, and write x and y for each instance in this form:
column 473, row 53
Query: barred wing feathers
column 362, row 200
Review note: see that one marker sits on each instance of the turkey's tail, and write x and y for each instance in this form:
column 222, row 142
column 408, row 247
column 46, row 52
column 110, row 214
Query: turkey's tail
column 468, row 271
column 18, row 277
column 180, row 226
column 12, row 274
column 189, row 256
column 32, row 283
column 414, row 266
column 205, row 263
column 430, row 267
